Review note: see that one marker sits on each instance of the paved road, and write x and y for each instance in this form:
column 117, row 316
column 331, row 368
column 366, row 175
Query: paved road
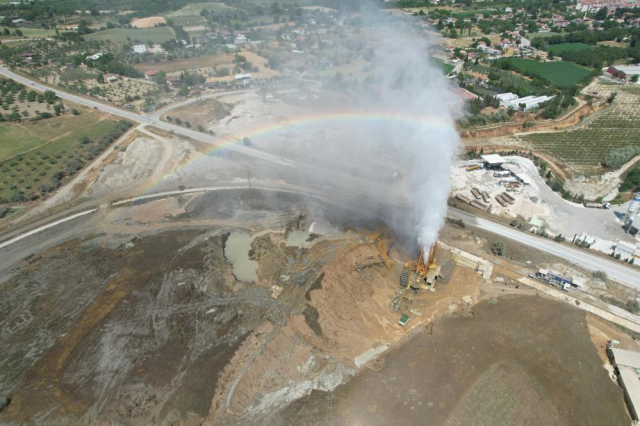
column 616, row 271
column 152, row 120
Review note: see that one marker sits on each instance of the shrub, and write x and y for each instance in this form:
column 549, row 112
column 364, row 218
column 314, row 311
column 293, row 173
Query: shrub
column 499, row 248
column 600, row 275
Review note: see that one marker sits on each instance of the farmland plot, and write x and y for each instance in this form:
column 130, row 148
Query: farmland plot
column 586, row 147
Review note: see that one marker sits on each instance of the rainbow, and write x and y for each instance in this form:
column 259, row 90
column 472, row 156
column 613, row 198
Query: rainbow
column 339, row 117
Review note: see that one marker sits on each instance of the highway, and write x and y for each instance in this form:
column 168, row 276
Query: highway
column 618, row 272
column 154, row 120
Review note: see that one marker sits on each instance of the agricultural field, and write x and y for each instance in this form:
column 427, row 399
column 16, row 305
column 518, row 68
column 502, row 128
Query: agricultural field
column 194, row 9
column 586, row 147
column 156, row 35
column 149, row 22
column 558, row 73
column 542, row 35
column 37, row 155
column 556, row 49
column 83, row 80
column 27, row 33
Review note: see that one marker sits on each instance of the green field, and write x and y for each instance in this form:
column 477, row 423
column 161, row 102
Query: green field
column 542, row 35
column 445, row 67
column 28, row 32
column 157, row 34
column 14, row 139
column 558, row 73
column 556, row 49
column 194, row 9
column 36, row 167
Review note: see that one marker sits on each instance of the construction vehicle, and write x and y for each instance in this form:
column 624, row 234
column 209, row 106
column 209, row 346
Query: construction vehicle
column 404, row 319
column 473, row 167
column 594, row 205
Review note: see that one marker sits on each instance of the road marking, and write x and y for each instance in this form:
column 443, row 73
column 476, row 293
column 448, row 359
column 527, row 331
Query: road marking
column 45, row 227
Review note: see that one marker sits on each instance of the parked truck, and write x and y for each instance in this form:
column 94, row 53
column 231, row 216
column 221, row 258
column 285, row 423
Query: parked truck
column 596, row 205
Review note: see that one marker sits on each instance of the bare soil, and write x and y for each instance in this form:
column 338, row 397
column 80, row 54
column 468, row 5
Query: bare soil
column 525, row 360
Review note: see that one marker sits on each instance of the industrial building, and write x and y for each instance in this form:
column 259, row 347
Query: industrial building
column 511, row 100
column 493, row 161
column 627, row 364
column 624, row 71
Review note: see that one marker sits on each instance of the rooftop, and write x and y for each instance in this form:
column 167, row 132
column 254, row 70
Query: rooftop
column 494, row 159
column 626, row 358
column 631, row 384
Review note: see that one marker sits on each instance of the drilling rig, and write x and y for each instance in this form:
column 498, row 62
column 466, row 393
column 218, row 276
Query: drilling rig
column 424, row 273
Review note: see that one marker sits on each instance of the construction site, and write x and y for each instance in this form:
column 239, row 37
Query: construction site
column 261, row 307
column 298, row 260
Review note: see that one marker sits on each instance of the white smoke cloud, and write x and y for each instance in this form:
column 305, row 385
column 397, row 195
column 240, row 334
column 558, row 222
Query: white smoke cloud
column 421, row 140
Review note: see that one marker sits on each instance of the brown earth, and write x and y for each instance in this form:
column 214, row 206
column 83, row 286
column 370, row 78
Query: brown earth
column 569, row 120
column 149, row 22
column 526, row 360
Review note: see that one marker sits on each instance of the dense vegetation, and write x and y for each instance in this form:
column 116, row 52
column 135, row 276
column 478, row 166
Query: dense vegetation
column 559, row 74
column 631, row 181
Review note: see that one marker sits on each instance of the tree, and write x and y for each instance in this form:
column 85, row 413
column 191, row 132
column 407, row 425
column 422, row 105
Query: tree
column 100, row 78
column 160, row 78
column 634, row 79
column 499, row 248
column 50, row 97
column 602, row 13
column 84, row 140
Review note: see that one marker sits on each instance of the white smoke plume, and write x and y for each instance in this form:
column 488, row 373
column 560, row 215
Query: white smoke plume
column 414, row 133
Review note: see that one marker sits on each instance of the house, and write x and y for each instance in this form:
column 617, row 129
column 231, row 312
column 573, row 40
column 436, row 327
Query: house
column 111, row 78
column 150, row 74
column 240, row 40
column 27, row 56
column 542, row 55
column 174, row 79
column 139, row 48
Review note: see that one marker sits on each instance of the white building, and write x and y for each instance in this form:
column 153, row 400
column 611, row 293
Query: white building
column 243, row 78
column 140, row 48
column 511, row 100
column 625, row 250
column 628, row 363
column 95, row 57
column 240, row 40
